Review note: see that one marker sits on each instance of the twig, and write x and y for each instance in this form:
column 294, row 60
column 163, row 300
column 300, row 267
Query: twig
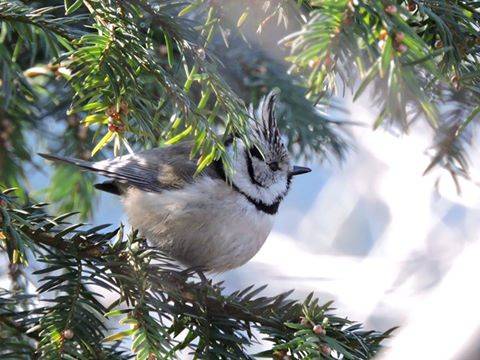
column 19, row 328
column 95, row 251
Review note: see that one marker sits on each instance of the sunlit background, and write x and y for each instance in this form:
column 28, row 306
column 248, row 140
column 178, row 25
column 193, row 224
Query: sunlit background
column 392, row 247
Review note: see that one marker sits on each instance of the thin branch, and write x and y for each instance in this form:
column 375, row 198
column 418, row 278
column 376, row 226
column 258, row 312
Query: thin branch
column 98, row 251
column 43, row 238
column 18, row 328
column 20, row 14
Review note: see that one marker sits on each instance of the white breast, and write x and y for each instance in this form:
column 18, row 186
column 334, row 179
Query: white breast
column 205, row 224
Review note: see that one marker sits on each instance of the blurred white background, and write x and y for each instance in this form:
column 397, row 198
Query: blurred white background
column 390, row 246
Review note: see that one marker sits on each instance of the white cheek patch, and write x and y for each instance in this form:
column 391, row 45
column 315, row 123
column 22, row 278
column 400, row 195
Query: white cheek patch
column 274, row 189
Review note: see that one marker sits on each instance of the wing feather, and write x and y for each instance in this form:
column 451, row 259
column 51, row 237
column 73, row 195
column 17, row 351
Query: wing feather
column 152, row 170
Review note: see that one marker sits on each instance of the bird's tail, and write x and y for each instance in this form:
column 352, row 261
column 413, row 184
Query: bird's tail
column 108, row 186
column 69, row 160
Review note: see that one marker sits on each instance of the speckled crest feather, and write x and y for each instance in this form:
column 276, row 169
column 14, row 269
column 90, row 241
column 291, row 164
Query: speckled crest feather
column 265, row 130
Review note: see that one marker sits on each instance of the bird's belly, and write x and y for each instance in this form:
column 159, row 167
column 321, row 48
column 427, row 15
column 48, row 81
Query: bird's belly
column 206, row 224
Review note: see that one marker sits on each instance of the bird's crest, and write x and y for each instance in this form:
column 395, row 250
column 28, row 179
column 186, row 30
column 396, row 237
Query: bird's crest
column 265, row 129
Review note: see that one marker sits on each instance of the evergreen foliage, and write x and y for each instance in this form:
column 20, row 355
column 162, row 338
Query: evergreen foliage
column 90, row 77
column 421, row 59
column 84, row 276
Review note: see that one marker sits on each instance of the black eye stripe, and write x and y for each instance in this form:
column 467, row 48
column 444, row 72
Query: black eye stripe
column 251, row 172
column 256, row 153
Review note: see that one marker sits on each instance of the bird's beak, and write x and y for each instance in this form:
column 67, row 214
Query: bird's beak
column 299, row 170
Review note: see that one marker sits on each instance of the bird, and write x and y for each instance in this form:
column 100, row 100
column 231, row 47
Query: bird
column 208, row 220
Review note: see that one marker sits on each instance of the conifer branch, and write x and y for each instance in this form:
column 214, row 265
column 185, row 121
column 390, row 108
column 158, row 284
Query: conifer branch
column 16, row 12
column 158, row 298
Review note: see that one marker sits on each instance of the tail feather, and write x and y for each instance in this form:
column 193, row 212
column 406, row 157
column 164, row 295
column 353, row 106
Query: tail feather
column 108, row 186
column 126, row 170
column 97, row 167
column 69, row 160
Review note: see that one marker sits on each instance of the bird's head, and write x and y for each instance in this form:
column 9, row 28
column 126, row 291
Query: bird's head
column 263, row 171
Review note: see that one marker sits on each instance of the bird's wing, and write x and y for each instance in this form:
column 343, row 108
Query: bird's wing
column 151, row 170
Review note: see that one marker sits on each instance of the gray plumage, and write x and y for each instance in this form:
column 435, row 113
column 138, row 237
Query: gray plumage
column 152, row 170
column 203, row 220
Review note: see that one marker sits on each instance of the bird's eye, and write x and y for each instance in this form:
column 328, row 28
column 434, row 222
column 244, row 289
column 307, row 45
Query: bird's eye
column 273, row 166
